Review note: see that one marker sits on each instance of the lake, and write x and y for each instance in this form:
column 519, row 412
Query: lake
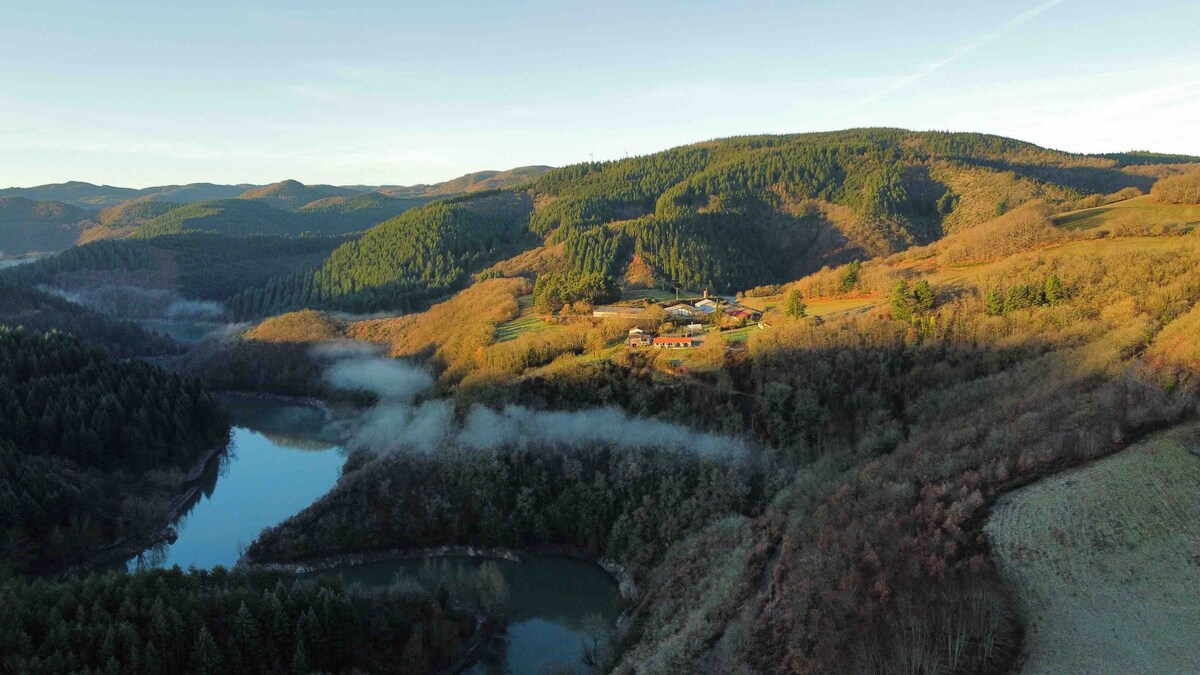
column 284, row 456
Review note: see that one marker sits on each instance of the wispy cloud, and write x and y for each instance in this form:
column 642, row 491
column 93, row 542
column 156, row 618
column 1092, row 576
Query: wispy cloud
column 926, row 69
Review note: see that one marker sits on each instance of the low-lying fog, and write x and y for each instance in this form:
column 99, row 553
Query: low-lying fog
column 401, row 419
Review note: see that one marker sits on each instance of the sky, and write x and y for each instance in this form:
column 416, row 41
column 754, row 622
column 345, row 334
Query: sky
column 354, row 92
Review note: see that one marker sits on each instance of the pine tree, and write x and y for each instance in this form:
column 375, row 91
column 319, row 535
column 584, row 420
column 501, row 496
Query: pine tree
column 901, row 301
column 850, row 276
column 795, row 305
column 1054, row 289
column 993, row 301
column 924, row 295
column 300, row 661
column 206, row 655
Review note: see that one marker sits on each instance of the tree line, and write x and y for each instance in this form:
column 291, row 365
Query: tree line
column 210, row 622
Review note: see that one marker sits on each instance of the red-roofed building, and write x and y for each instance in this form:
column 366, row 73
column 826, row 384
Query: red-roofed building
column 673, row 342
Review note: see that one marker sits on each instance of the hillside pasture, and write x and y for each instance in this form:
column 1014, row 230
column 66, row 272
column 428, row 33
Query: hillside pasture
column 1119, row 217
column 527, row 321
column 510, row 330
column 1105, row 561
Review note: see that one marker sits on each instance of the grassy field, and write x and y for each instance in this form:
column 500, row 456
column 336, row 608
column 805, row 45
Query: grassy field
column 739, row 334
column 1137, row 210
column 1105, row 561
column 518, row 326
column 526, row 322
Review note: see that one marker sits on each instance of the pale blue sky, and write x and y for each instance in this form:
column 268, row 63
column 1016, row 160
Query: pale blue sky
column 371, row 92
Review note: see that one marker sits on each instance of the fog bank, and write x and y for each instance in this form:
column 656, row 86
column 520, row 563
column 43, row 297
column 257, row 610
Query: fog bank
column 400, row 420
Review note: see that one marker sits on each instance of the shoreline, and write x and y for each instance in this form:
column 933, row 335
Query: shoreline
column 626, row 586
column 165, row 531
column 311, row 401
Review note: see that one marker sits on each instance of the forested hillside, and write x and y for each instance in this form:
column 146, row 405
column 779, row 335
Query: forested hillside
column 39, row 312
column 405, row 262
column 734, row 213
column 28, row 226
column 78, row 432
column 361, row 211
column 198, row 266
column 481, row 181
column 241, row 217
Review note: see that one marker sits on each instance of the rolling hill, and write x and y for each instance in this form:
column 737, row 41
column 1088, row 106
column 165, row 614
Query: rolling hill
column 28, row 226
column 471, row 182
column 736, row 213
column 292, row 195
column 87, row 195
column 194, row 266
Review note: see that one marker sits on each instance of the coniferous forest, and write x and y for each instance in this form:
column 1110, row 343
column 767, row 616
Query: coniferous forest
column 73, row 424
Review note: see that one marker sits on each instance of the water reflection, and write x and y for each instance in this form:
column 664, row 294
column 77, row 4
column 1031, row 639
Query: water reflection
column 262, row 480
column 556, row 606
column 285, row 456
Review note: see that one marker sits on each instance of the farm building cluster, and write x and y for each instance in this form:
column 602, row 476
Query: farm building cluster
column 644, row 338
column 690, row 317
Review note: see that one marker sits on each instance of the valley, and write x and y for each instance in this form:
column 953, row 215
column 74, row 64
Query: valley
column 799, row 391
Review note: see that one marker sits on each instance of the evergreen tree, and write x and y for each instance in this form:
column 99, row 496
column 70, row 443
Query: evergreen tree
column 206, row 655
column 902, row 301
column 301, row 664
column 795, row 305
column 850, row 276
column 1054, row 289
column 923, row 295
column 993, row 301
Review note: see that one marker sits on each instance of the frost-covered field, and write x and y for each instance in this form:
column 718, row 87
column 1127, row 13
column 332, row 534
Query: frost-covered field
column 1105, row 561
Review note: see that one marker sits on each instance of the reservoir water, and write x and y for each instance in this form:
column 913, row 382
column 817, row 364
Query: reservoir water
column 284, row 456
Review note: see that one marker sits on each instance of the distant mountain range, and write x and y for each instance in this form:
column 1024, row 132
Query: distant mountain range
column 289, row 194
column 53, row 217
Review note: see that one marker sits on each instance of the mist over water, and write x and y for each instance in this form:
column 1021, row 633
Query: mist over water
column 401, row 420
column 135, row 302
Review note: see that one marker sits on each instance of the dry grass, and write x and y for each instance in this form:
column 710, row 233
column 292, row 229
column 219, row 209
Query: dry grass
column 453, row 331
column 510, row 330
column 303, row 326
column 1120, row 217
column 1105, row 562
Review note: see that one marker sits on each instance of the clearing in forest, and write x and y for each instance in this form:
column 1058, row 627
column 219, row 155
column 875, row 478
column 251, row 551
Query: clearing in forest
column 1105, row 561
